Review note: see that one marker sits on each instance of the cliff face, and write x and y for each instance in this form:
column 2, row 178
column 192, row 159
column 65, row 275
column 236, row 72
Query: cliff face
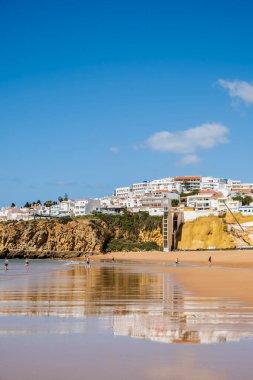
column 205, row 232
column 61, row 239
column 44, row 238
column 52, row 238
column 153, row 235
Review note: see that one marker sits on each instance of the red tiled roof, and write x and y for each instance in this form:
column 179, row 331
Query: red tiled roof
column 186, row 178
column 241, row 190
column 160, row 191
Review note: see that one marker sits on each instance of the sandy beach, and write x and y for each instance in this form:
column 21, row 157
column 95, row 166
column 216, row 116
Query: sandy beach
column 127, row 309
column 230, row 274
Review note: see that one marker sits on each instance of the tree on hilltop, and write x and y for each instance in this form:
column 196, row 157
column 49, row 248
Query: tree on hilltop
column 246, row 200
column 174, row 202
column 49, row 203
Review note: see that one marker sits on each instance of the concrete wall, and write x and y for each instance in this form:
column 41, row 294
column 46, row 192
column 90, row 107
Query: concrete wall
column 192, row 215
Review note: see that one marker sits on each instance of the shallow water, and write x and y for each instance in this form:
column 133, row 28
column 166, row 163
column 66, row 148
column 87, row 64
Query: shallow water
column 59, row 317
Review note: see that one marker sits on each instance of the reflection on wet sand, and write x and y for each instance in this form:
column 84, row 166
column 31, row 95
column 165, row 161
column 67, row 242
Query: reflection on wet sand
column 129, row 300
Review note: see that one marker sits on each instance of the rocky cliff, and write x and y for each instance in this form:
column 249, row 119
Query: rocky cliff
column 60, row 239
column 205, row 232
column 220, row 233
column 107, row 233
column 52, row 238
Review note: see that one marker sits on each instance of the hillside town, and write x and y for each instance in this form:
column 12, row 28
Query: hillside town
column 195, row 196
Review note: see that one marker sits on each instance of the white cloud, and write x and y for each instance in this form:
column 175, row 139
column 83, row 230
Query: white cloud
column 189, row 159
column 205, row 136
column 238, row 89
column 114, row 149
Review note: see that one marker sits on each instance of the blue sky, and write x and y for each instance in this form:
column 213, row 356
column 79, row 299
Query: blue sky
column 95, row 95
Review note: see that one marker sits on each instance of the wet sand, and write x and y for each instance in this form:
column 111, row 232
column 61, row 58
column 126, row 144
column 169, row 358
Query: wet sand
column 233, row 283
column 59, row 320
column 81, row 357
column 230, row 275
column 238, row 258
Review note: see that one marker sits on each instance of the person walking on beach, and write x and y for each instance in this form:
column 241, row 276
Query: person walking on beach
column 6, row 263
column 210, row 260
column 177, row 261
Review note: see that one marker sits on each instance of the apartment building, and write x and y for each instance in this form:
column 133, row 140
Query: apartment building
column 14, row 213
column 188, row 183
column 233, row 184
column 211, row 183
column 111, row 201
column 133, row 203
column 140, row 188
column 167, row 184
column 86, row 206
column 222, row 205
column 209, row 200
column 53, row 211
column 67, row 207
column 123, row 192
column 201, row 201
column 246, row 210
column 241, row 192
column 153, row 202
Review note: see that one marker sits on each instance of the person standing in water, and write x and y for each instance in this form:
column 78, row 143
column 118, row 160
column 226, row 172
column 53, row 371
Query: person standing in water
column 27, row 264
column 88, row 262
column 6, row 263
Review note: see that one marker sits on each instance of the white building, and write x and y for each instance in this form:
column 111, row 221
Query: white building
column 201, row 201
column 208, row 200
column 219, row 205
column 43, row 211
column 111, row 201
column 153, row 202
column 140, row 188
column 52, row 211
column 67, row 207
column 188, row 183
column 133, row 204
column 246, row 210
column 215, row 184
column 123, row 192
column 241, row 191
column 167, row 184
column 14, row 213
column 233, row 184
column 3, row 216
column 86, row 206
column 78, row 207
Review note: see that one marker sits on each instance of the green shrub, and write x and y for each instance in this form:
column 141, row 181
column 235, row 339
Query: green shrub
column 128, row 245
column 64, row 219
column 131, row 223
